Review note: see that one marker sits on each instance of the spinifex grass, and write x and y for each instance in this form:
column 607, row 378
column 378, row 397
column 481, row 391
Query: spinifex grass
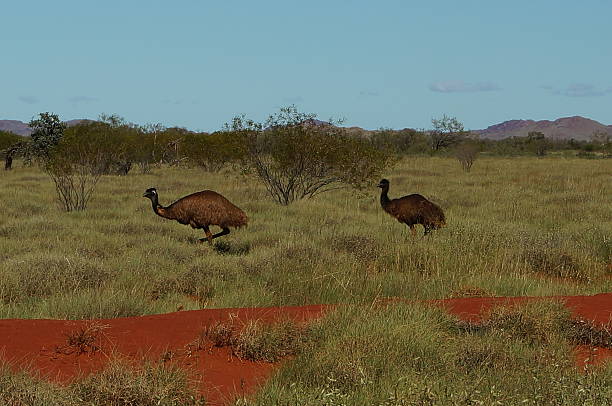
column 411, row 354
column 118, row 384
column 522, row 226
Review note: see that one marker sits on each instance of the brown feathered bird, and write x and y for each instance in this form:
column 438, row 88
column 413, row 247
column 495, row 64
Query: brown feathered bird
column 412, row 209
column 201, row 210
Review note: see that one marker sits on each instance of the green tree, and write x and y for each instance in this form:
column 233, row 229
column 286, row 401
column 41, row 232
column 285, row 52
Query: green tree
column 297, row 156
column 10, row 145
column 446, row 131
column 537, row 143
column 47, row 131
column 213, row 151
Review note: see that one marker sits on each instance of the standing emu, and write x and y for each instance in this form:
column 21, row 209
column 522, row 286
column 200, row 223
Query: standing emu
column 201, row 210
column 412, row 209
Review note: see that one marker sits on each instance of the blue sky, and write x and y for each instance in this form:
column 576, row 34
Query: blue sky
column 396, row 64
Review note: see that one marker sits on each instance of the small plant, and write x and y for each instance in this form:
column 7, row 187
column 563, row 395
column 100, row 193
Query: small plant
column 534, row 322
column 123, row 384
column 553, row 262
column 256, row 341
column 466, row 153
column 221, row 334
column 262, row 342
column 83, row 340
column 231, row 248
column 587, row 332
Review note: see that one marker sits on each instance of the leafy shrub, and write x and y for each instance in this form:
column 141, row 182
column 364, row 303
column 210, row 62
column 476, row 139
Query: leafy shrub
column 297, row 156
column 213, row 151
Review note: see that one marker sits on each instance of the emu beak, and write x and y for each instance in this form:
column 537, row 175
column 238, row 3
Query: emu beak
column 145, row 195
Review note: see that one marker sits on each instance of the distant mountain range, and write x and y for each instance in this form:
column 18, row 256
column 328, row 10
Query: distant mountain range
column 21, row 128
column 577, row 127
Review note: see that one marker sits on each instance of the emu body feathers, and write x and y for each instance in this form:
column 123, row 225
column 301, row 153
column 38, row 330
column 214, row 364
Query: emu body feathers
column 201, row 210
column 412, row 209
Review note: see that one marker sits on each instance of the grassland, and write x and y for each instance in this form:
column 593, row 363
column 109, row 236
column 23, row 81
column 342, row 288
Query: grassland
column 417, row 355
column 516, row 227
column 521, row 226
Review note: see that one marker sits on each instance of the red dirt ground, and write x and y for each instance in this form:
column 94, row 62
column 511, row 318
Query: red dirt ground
column 220, row 376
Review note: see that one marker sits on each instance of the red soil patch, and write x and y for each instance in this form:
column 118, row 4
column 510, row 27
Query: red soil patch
column 597, row 309
column 34, row 344
column 220, row 376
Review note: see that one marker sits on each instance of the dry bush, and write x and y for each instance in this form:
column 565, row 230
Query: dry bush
column 263, row 342
column 554, row 262
column 257, row 341
column 466, row 154
column 87, row 339
column 540, row 321
column 221, row 334
column 474, row 353
column 74, row 183
column 362, row 247
column 150, row 385
column 588, row 333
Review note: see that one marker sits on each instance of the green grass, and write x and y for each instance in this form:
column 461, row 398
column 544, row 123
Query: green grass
column 411, row 354
column 516, row 227
column 119, row 384
column 520, row 226
column 258, row 341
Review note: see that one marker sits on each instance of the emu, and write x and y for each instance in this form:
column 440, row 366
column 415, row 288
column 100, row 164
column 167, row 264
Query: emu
column 412, row 209
column 201, row 210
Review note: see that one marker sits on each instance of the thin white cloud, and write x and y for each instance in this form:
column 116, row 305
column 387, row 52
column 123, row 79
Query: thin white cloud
column 459, row 86
column 29, row 99
column 579, row 90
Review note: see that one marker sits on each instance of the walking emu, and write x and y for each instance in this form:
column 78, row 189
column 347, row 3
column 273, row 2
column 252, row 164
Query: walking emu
column 412, row 209
column 201, row 210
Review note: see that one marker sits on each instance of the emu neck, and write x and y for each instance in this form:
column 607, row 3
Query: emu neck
column 384, row 197
column 158, row 209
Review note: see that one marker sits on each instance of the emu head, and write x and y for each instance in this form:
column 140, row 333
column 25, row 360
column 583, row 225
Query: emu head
column 383, row 183
column 150, row 193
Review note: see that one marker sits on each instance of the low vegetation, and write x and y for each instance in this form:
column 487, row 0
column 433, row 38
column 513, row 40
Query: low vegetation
column 119, row 384
column 515, row 227
column 257, row 341
column 410, row 354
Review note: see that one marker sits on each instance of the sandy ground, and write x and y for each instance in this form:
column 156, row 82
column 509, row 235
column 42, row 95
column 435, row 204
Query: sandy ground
column 41, row 345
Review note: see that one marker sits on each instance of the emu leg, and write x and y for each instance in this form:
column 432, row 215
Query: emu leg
column 209, row 235
column 412, row 229
column 225, row 231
